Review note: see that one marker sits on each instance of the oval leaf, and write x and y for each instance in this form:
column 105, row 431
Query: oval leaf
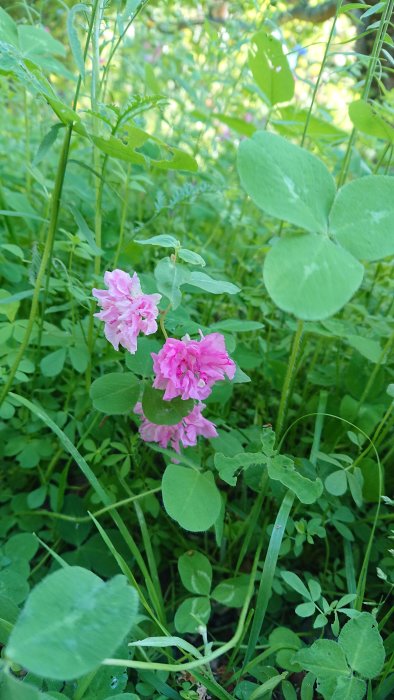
column 115, row 393
column 361, row 641
column 191, row 497
column 336, row 483
column 286, row 181
column 71, row 622
column 362, row 217
column 310, row 276
column 192, row 613
column 270, row 68
column 163, row 412
column 195, row 571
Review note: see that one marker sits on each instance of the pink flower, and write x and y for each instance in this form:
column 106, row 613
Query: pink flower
column 185, row 432
column 189, row 368
column 126, row 311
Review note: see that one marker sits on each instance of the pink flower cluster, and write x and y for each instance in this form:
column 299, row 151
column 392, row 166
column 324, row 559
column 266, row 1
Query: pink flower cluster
column 185, row 432
column 126, row 311
column 189, row 368
column 186, row 368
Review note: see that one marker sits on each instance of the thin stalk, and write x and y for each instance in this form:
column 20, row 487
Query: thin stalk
column 319, row 77
column 289, row 378
column 96, row 514
column 123, row 216
column 44, row 262
column 27, row 141
column 99, row 182
column 52, row 229
column 377, row 47
column 375, row 371
column 318, row 426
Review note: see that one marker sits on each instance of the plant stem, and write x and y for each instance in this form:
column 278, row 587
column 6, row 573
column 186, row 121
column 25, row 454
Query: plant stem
column 44, row 261
column 289, row 378
column 53, row 221
column 319, row 77
column 377, row 47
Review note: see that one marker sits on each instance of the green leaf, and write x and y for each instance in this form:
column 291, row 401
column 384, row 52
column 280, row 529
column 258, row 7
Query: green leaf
column 75, row 45
column 325, row 658
column 351, row 688
column 270, row 68
column 141, row 362
column 84, row 230
column 71, row 622
column 356, row 482
column 21, row 546
column 47, row 142
column 229, row 466
column 336, row 483
column 366, row 347
column 315, row 589
column 163, row 412
column 109, row 681
column 162, row 241
column 240, row 377
column 295, row 583
column 208, row 284
column 232, row 591
column 191, row 614
column 366, row 118
column 191, row 257
column 9, row 309
column 362, row 215
column 361, row 641
column 13, row 689
column 115, row 393
column 8, row 28
column 79, row 358
column 268, row 686
column 9, row 612
column 286, row 181
column 289, row 643
column 191, row 497
column 237, row 124
column 13, row 585
column 305, row 609
column 236, row 326
column 162, row 642
column 310, row 276
column 282, row 469
column 195, row 571
column 52, row 364
column 292, row 123
column 37, row 497
column 169, row 277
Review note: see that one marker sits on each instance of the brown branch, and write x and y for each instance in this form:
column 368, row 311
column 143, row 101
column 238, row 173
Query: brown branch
column 305, row 13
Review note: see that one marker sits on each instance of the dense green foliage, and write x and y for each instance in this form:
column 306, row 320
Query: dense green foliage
column 243, row 170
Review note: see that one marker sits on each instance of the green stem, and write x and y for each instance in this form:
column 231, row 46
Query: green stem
column 319, row 77
column 123, row 216
column 377, row 47
column 53, row 221
column 375, row 371
column 27, row 141
column 44, row 261
column 289, row 378
column 318, row 426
